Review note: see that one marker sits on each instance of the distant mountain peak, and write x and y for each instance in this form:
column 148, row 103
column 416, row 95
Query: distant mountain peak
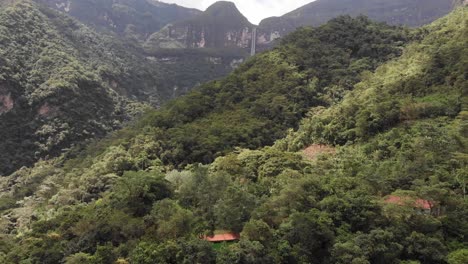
column 221, row 26
column 221, row 5
column 226, row 11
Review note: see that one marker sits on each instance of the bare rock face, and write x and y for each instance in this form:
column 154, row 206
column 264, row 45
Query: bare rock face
column 220, row 26
column 6, row 100
column 47, row 110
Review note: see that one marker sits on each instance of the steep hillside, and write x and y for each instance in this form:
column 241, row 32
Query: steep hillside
column 220, row 26
column 271, row 92
column 130, row 18
column 61, row 83
column 428, row 81
column 386, row 182
column 397, row 12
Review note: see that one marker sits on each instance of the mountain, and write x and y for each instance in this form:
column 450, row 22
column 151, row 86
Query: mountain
column 368, row 166
column 131, row 18
column 137, row 22
column 220, row 26
column 63, row 83
column 411, row 13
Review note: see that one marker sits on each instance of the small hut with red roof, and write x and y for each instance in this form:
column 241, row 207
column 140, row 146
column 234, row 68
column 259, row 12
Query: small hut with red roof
column 221, row 239
column 224, row 237
column 424, row 206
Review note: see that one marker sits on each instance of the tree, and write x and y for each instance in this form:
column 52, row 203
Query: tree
column 149, row 253
column 137, row 191
column 244, row 252
column 458, row 257
column 257, row 230
column 310, row 235
column 234, row 208
column 79, row 258
column 171, row 220
column 425, row 248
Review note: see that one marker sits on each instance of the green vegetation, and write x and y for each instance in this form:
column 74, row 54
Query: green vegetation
column 271, row 92
column 428, row 81
column 396, row 117
column 62, row 83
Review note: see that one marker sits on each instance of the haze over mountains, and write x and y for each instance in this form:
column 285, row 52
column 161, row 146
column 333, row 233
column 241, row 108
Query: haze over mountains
column 411, row 13
column 131, row 18
column 222, row 25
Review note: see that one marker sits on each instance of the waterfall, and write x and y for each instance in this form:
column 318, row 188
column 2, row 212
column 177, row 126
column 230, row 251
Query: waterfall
column 254, row 41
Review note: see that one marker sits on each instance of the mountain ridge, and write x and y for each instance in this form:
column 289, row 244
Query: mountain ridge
column 135, row 19
column 407, row 12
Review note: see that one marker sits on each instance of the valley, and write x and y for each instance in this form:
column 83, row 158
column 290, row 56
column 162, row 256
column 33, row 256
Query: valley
column 145, row 132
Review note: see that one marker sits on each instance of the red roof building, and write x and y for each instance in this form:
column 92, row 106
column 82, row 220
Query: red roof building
column 222, row 237
column 418, row 203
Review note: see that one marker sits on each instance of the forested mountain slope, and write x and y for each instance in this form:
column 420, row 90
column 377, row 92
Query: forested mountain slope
column 61, row 83
column 398, row 133
column 272, row 91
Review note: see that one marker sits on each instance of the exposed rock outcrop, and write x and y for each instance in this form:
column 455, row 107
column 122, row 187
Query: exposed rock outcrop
column 220, row 26
column 6, row 100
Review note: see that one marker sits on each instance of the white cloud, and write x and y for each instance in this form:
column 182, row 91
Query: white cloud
column 254, row 10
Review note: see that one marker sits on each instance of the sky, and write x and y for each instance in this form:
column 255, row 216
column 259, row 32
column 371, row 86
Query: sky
column 254, row 10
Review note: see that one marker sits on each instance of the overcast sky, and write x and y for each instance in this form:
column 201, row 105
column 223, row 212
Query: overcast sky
column 254, row 10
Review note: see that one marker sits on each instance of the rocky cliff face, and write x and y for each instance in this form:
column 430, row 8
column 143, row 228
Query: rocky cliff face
column 220, row 26
column 407, row 12
column 6, row 102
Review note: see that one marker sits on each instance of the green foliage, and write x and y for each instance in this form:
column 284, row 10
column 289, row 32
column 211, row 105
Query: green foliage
column 62, row 83
column 191, row 251
column 400, row 91
column 137, row 191
column 58, row 95
column 233, row 209
column 171, row 220
column 244, row 252
column 122, row 199
column 79, row 258
column 458, row 257
column 271, row 92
